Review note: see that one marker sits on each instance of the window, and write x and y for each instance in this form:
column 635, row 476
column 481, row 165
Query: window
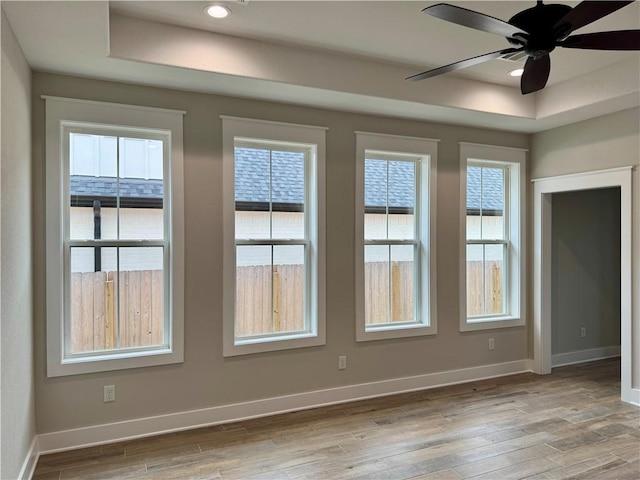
column 274, row 231
column 114, row 236
column 492, row 220
column 395, row 214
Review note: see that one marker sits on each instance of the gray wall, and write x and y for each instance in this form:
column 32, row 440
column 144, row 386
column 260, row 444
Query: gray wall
column 16, row 282
column 206, row 378
column 604, row 142
column 585, row 269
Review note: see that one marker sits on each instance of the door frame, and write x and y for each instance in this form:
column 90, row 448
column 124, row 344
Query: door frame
column 543, row 189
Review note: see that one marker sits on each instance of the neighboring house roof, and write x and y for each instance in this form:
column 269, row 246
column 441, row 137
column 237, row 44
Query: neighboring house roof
column 287, row 191
column 133, row 191
column 487, row 185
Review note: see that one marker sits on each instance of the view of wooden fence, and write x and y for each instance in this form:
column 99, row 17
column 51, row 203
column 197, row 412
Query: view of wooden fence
column 256, row 312
column 492, row 288
column 378, row 295
column 95, row 325
column 94, row 303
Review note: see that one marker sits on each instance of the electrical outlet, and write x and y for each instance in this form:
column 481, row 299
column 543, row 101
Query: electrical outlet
column 342, row 362
column 492, row 344
column 109, row 393
column 583, row 332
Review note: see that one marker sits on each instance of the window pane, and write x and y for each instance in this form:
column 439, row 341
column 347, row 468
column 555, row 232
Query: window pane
column 94, row 198
column 252, row 192
column 485, row 203
column 92, row 300
column 142, row 223
column 83, row 149
column 494, row 256
column 375, row 199
column 402, row 283
column 288, row 288
column 141, row 190
column 287, row 194
column 155, row 155
column 402, row 200
column 492, row 203
column 485, row 279
column 90, row 219
column 475, row 280
column 141, row 296
column 133, row 158
column 376, row 284
column 253, row 290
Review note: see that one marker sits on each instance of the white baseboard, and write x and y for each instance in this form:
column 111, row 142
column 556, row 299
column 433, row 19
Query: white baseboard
column 632, row 396
column 582, row 356
column 144, row 427
column 30, row 461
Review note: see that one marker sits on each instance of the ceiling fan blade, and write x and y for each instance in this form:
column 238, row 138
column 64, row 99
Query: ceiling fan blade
column 462, row 64
column 471, row 19
column 536, row 74
column 587, row 12
column 617, row 40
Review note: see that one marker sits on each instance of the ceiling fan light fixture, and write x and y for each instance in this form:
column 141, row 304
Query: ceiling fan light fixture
column 517, row 72
column 218, row 11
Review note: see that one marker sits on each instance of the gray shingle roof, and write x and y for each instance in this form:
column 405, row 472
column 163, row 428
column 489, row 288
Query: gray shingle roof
column 485, row 184
column 287, row 168
column 252, row 176
column 378, row 183
column 81, row 185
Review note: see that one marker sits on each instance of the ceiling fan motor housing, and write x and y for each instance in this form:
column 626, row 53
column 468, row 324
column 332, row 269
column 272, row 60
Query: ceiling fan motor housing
column 540, row 23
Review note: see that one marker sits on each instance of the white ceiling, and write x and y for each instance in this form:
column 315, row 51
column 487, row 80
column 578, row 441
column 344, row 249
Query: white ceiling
column 351, row 55
column 393, row 31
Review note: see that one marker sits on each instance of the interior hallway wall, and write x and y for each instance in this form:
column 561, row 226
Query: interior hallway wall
column 585, row 270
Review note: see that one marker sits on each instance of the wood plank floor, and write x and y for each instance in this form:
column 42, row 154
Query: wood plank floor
column 570, row 424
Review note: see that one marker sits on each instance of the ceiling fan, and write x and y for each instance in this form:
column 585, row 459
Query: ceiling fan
column 537, row 31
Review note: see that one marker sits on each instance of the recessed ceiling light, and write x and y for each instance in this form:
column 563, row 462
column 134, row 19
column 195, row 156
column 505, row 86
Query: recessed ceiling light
column 517, row 72
column 218, row 11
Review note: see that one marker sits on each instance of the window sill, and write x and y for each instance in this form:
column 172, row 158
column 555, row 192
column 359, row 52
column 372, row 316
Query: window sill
column 114, row 361
column 395, row 331
column 489, row 323
column 273, row 344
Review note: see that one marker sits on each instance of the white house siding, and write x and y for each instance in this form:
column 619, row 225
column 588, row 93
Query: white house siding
column 492, row 228
column 135, row 223
column 146, row 223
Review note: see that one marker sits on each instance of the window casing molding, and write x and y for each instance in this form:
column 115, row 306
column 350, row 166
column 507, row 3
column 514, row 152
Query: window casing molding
column 63, row 117
column 424, row 153
column 303, row 138
column 513, row 162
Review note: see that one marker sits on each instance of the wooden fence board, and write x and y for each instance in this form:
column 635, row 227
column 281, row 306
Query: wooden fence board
column 110, row 327
column 76, row 313
column 145, row 307
column 136, row 296
column 157, row 307
column 88, row 318
column 108, row 311
column 98, row 292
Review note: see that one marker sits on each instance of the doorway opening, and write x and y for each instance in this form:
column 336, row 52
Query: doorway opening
column 585, row 275
column 544, row 189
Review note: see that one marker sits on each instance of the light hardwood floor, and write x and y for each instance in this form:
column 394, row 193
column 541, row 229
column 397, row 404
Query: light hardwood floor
column 570, row 424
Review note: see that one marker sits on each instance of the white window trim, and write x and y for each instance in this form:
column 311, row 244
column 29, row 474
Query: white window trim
column 427, row 150
column 277, row 132
column 515, row 201
column 67, row 111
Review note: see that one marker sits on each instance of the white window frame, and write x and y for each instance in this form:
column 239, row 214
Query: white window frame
column 425, row 152
column 235, row 129
column 513, row 160
column 66, row 115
